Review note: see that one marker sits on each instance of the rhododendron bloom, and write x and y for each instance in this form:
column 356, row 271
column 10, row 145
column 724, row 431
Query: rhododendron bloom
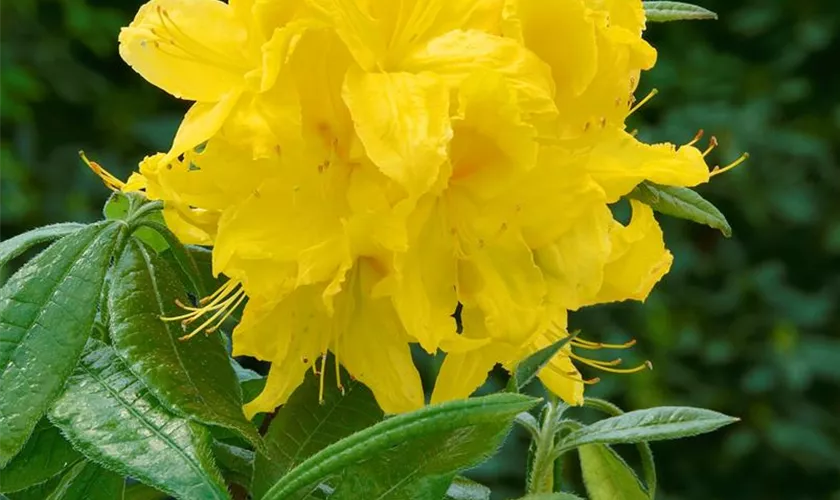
column 363, row 169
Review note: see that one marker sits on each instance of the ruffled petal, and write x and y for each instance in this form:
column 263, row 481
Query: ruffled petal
column 458, row 54
column 620, row 163
column 491, row 143
column 638, row 258
column 200, row 123
column 403, row 121
column 193, row 49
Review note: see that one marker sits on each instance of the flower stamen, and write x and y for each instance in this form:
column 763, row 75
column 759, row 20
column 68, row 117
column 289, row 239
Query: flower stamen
column 108, row 179
column 644, row 101
column 719, row 170
column 713, row 143
column 697, row 137
column 224, row 301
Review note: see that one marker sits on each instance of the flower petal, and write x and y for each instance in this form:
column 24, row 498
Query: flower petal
column 200, row 123
column 619, row 163
column 193, row 49
column 458, row 54
column 638, row 258
column 403, row 122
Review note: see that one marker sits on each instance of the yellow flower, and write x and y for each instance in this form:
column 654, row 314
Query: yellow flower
column 365, row 168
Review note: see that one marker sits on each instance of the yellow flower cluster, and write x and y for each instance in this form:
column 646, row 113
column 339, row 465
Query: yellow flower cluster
column 362, row 167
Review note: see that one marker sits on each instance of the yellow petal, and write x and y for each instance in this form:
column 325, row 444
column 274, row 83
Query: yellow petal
column 186, row 228
column 561, row 33
column 458, row 54
column 193, row 49
column 373, row 346
column 200, row 123
column 573, row 266
column 363, row 35
column 424, row 295
column 638, row 258
column 619, row 163
column 403, row 121
column 552, row 197
column 562, row 378
column 491, row 144
column 499, row 276
column 291, row 334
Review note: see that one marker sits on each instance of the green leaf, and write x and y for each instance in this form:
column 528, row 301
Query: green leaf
column 553, row 496
column 660, row 12
column 47, row 310
column 607, row 476
column 237, row 463
column 186, row 265
column 410, row 456
column 683, row 203
column 529, row 367
column 13, row 247
column 304, row 426
column 37, row 492
column 45, row 455
column 114, row 420
column 466, row 489
column 193, row 378
column 122, row 206
column 654, row 424
column 140, row 491
column 88, row 481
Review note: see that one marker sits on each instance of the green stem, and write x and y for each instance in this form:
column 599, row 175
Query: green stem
column 144, row 209
column 541, row 479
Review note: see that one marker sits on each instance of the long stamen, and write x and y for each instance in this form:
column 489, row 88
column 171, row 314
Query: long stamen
column 213, row 318
column 719, row 170
column 696, row 139
column 644, row 101
column 606, row 366
column 108, row 179
column 588, row 344
column 321, row 382
column 193, row 49
column 230, row 311
column 574, row 377
column 220, row 298
column 222, row 303
column 713, row 143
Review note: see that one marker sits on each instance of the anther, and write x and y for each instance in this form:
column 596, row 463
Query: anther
column 713, row 143
column 697, row 137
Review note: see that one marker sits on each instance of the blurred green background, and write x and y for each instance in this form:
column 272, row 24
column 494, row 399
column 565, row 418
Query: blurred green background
column 747, row 326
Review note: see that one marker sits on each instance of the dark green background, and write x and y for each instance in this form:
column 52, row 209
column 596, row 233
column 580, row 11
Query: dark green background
column 747, row 326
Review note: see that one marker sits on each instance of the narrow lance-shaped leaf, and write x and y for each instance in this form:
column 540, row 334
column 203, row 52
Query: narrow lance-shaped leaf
column 660, row 12
column 47, row 311
column 112, row 418
column 13, row 247
column 654, row 424
column 305, row 425
column 683, row 203
column 45, row 455
column 192, row 378
column 410, row 456
column 607, row 476
column 88, row 481
column 529, row 367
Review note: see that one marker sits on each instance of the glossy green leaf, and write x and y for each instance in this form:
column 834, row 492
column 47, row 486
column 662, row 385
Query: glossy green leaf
column 47, row 310
column 193, row 378
column 683, row 203
column 660, row 12
column 237, row 463
column 37, row 492
column 140, row 491
column 305, row 426
column 412, row 456
column 607, row 476
column 654, row 424
column 467, row 489
column 45, row 455
column 113, row 419
column 554, row 496
column 13, row 247
column 88, row 481
column 185, row 264
column 529, row 367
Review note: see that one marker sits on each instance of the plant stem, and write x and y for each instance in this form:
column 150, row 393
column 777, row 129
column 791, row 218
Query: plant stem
column 542, row 470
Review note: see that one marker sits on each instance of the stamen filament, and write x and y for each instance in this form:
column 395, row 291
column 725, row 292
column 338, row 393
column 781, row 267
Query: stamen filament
column 718, row 170
column 696, row 139
column 644, row 101
column 644, row 366
column 713, row 143
column 321, row 382
column 230, row 311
